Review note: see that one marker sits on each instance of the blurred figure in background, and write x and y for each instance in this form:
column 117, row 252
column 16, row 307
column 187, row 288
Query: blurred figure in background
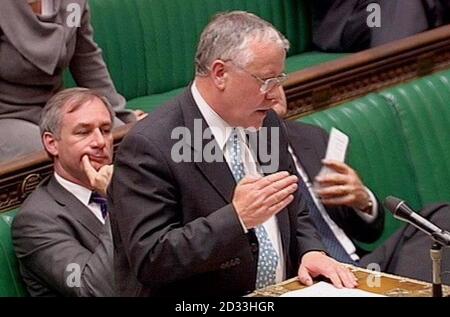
column 341, row 25
column 38, row 42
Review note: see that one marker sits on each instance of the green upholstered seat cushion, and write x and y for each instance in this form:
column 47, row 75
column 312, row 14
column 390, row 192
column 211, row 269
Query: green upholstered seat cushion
column 423, row 108
column 376, row 151
column 149, row 103
column 10, row 280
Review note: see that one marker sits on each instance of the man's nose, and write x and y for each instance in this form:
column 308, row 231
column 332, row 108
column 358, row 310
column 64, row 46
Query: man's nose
column 273, row 93
column 98, row 139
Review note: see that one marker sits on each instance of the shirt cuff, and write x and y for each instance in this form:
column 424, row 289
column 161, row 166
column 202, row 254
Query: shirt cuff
column 373, row 215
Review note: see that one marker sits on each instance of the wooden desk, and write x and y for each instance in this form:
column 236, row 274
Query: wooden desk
column 390, row 285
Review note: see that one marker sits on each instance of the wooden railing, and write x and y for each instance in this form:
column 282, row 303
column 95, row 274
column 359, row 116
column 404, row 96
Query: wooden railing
column 307, row 91
column 355, row 75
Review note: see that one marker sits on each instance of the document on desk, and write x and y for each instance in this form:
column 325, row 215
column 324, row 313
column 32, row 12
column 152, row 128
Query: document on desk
column 324, row 289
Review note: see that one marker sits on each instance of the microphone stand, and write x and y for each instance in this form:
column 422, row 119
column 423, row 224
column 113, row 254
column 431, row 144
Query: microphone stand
column 436, row 254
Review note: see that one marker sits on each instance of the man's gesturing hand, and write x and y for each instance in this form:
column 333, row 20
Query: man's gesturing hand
column 256, row 199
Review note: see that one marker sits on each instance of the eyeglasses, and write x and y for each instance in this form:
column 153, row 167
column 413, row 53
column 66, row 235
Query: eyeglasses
column 266, row 84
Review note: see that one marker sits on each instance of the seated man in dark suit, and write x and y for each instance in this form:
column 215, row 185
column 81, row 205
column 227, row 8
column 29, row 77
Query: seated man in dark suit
column 193, row 211
column 62, row 235
column 343, row 202
column 344, row 209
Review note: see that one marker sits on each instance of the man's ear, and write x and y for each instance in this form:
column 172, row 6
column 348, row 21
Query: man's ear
column 50, row 143
column 219, row 73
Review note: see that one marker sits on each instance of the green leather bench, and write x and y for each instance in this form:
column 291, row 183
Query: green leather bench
column 10, row 281
column 149, row 45
column 398, row 142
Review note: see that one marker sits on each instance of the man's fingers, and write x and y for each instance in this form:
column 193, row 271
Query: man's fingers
column 251, row 178
column 337, row 166
column 332, row 179
column 347, row 277
column 270, row 179
column 88, row 168
column 275, row 208
column 333, row 191
column 335, row 279
column 304, row 276
column 279, row 195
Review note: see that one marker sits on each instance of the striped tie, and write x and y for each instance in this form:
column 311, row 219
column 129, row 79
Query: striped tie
column 101, row 201
column 268, row 257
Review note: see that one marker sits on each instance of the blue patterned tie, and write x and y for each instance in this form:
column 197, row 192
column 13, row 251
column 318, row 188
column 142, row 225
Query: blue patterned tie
column 268, row 257
column 334, row 247
column 101, row 201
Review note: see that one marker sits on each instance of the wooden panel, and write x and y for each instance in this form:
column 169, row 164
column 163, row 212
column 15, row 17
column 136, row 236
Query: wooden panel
column 356, row 75
column 389, row 285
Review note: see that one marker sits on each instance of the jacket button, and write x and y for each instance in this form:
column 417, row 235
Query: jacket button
column 254, row 248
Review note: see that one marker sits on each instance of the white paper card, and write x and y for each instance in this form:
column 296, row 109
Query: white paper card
column 337, row 145
column 324, row 289
column 336, row 148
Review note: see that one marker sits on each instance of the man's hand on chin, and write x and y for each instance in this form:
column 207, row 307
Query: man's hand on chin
column 99, row 180
column 315, row 263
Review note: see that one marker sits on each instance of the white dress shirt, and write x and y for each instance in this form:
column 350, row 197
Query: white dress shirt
column 221, row 131
column 82, row 194
column 346, row 242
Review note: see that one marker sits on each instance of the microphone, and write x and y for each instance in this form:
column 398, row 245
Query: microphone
column 401, row 211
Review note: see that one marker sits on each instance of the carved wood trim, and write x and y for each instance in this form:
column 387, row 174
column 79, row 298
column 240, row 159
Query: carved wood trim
column 356, row 75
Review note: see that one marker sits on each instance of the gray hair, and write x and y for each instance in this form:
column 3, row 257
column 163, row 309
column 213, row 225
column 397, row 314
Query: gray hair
column 65, row 101
column 228, row 35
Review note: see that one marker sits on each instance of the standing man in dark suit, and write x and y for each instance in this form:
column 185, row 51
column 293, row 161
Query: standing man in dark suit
column 192, row 213
column 345, row 209
column 62, row 235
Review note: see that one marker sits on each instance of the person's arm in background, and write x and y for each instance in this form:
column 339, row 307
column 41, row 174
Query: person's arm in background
column 89, row 70
column 360, row 213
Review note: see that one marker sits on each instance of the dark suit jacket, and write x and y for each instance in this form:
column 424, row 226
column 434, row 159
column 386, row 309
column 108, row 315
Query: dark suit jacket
column 407, row 252
column 341, row 25
column 174, row 227
column 54, row 234
column 309, row 144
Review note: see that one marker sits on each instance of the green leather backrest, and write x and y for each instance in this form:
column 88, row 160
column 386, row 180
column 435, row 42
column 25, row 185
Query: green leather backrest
column 423, row 108
column 10, row 280
column 376, row 151
column 149, row 45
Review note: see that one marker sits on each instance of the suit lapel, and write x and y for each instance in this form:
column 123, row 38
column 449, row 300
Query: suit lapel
column 216, row 172
column 307, row 155
column 285, row 163
column 73, row 206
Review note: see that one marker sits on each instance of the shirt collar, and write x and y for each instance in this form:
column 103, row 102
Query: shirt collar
column 220, row 129
column 80, row 192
